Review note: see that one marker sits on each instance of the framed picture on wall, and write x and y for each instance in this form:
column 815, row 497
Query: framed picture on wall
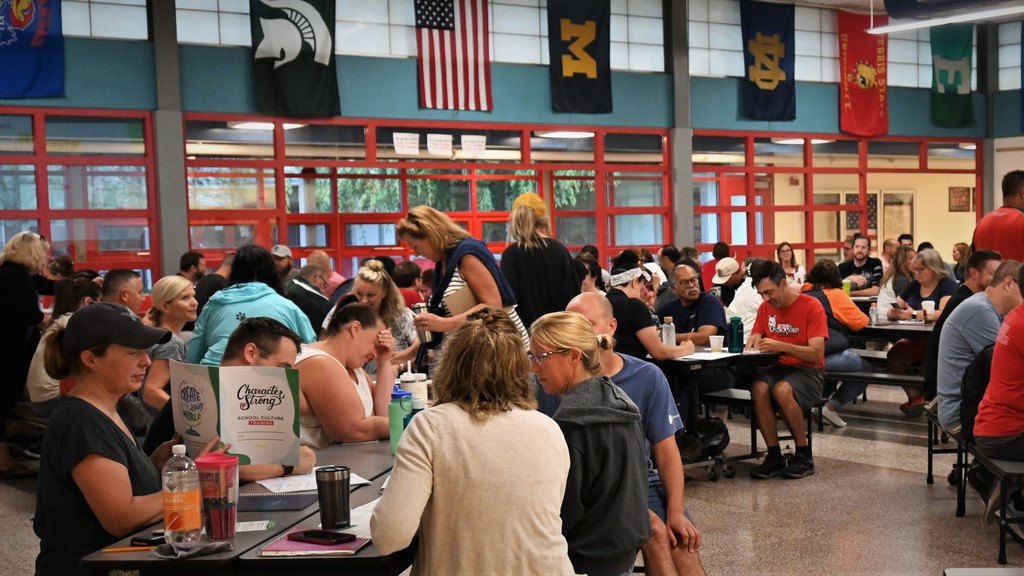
column 897, row 213
column 959, row 199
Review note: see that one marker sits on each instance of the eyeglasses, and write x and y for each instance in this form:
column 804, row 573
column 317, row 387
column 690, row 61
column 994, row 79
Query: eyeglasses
column 694, row 281
column 539, row 358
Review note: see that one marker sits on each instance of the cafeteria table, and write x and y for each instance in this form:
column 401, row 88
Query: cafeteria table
column 371, row 460
column 895, row 331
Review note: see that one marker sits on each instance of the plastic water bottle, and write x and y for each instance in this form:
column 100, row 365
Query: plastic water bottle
column 735, row 334
column 397, row 410
column 873, row 314
column 418, row 405
column 183, row 502
column 668, row 332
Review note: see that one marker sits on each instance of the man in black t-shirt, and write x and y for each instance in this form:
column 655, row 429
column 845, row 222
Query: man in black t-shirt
column 636, row 333
column 863, row 271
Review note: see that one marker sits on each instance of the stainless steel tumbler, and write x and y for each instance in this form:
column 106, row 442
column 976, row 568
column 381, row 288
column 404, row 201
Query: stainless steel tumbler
column 424, row 335
column 332, row 487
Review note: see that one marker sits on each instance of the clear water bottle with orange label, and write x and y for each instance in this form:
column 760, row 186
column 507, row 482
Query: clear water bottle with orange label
column 183, row 502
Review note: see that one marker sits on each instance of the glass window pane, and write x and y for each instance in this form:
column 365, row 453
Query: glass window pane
column 95, row 239
column 952, row 155
column 98, row 187
column 635, row 189
column 226, row 236
column 16, row 135
column 495, row 232
column 638, row 229
column 628, row 148
column 17, row 187
column 707, row 228
column 74, row 135
column 231, row 188
column 779, row 151
column 705, row 190
column 311, row 235
column 322, row 142
column 376, row 234
column 561, row 149
column 307, row 190
column 574, row 189
column 893, row 154
column 576, row 230
column 445, row 195
column 217, row 139
column 9, row 228
column 720, row 150
column 369, row 190
column 498, row 195
column 838, row 154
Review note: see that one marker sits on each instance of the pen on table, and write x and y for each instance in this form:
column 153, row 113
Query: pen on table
column 129, row 549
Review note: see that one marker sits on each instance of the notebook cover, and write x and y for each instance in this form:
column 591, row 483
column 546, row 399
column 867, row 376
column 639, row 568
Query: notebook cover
column 274, row 502
column 285, row 547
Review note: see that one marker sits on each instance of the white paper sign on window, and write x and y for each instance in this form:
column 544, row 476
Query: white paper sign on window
column 474, row 145
column 407, row 144
column 439, row 144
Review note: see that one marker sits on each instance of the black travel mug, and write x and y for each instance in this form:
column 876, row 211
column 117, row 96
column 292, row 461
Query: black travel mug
column 332, row 487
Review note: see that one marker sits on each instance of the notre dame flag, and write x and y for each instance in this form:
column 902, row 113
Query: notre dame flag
column 293, row 58
column 769, row 56
column 579, row 44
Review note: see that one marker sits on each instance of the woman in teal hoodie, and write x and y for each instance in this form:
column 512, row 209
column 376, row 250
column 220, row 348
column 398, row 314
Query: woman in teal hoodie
column 254, row 290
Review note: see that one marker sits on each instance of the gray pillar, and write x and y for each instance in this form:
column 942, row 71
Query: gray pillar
column 168, row 139
column 682, row 131
column 988, row 84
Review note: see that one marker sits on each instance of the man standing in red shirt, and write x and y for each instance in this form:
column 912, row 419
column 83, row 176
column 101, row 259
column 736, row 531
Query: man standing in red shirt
column 1002, row 229
column 795, row 326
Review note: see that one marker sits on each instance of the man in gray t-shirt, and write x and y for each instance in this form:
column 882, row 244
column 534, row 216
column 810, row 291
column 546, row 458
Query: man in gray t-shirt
column 968, row 330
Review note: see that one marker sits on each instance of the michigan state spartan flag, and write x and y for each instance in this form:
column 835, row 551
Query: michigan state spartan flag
column 293, row 58
column 769, row 56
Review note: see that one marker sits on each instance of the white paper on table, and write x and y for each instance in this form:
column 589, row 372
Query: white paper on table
column 709, row 355
column 254, row 526
column 360, row 518
column 303, row 482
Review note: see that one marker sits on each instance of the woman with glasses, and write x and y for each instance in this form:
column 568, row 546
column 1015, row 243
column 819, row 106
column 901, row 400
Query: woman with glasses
column 604, row 511
column 931, row 284
column 482, row 459
column 339, row 402
column 787, row 259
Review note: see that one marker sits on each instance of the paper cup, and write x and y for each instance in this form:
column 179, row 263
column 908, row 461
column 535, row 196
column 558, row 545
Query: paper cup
column 928, row 306
column 717, row 343
column 218, row 480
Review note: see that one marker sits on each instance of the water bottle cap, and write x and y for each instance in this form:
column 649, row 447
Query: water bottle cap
column 735, row 319
column 397, row 393
column 412, row 377
column 178, row 449
column 668, row 319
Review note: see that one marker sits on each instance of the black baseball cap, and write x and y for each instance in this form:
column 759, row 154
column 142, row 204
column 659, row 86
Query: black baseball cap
column 109, row 323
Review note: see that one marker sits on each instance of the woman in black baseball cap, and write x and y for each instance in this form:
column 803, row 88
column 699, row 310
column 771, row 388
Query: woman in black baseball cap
column 95, row 484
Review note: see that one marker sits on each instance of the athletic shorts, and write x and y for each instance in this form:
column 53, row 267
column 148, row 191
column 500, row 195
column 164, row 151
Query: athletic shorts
column 807, row 383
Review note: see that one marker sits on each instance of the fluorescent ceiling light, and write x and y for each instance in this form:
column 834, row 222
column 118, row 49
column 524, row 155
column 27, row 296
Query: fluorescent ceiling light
column 799, row 141
column 564, row 134
column 261, row 125
column 968, row 146
column 990, row 14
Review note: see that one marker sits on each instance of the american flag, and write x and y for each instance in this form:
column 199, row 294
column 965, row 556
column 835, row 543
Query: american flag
column 452, row 39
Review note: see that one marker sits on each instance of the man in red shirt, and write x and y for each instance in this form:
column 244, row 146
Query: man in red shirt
column 1002, row 229
column 795, row 326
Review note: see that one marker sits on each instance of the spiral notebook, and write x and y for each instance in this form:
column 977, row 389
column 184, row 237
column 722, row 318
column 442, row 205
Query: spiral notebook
column 276, row 502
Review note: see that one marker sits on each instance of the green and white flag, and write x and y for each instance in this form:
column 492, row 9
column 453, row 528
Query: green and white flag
column 951, row 76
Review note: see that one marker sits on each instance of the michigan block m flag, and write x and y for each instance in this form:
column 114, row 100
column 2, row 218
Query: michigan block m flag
column 31, row 49
column 769, row 55
column 579, row 46
column 293, row 58
column 951, row 76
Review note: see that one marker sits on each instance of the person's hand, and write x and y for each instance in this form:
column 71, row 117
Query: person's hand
column 428, row 321
column 770, row 345
column 682, row 532
column 857, row 280
column 752, row 341
column 385, row 345
column 687, row 348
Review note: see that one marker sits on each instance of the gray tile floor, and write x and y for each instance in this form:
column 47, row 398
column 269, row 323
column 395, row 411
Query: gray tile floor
column 867, row 510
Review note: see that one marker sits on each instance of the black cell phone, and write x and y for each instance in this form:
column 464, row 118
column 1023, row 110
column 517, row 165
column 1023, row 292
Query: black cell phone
column 154, row 540
column 898, row 306
column 322, row 537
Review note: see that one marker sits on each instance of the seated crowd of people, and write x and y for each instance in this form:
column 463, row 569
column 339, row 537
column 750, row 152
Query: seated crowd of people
column 546, row 414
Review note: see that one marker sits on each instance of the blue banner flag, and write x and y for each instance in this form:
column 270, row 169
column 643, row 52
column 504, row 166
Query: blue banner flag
column 769, row 54
column 31, row 49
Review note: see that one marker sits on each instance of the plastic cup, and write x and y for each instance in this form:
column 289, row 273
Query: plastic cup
column 929, row 309
column 218, row 481
column 717, row 343
column 847, row 287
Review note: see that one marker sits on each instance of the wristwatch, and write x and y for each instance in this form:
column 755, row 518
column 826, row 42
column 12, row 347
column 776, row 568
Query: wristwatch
column 913, row 315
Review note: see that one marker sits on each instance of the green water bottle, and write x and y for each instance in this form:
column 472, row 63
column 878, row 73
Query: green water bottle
column 735, row 334
column 401, row 404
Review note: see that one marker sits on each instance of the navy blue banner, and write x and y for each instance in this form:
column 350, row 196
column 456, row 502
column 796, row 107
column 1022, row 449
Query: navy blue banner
column 31, row 49
column 579, row 45
column 769, row 55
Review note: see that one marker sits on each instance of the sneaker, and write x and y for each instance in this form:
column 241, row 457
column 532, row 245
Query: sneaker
column 931, row 404
column 831, row 416
column 771, row 467
column 799, row 466
column 913, row 408
column 981, row 480
column 995, row 501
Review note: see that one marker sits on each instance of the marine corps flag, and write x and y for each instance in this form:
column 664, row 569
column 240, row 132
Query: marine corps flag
column 951, row 76
column 579, row 46
column 293, row 57
column 863, row 100
column 769, row 54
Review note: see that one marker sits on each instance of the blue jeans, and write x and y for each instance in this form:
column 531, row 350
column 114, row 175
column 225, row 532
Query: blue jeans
column 846, row 361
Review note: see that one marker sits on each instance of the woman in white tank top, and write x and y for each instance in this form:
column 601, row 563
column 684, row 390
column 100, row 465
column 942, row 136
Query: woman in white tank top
column 339, row 402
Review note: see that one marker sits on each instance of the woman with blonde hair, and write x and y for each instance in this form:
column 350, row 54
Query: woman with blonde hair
column 373, row 286
column 961, row 254
column 604, row 511
column 338, row 402
column 896, row 278
column 174, row 305
column 23, row 258
column 540, row 270
column 481, row 458
column 466, row 276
